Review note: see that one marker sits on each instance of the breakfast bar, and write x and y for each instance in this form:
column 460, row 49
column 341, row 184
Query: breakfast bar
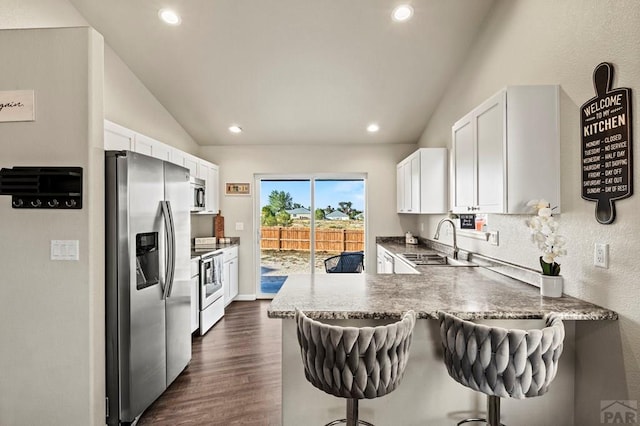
column 427, row 395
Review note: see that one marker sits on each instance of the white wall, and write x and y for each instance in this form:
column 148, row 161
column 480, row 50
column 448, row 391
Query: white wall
column 52, row 328
column 552, row 42
column 129, row 103
column 126, row 100
column 239, row 164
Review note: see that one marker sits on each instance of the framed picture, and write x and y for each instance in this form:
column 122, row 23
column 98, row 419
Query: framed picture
column 237, row 188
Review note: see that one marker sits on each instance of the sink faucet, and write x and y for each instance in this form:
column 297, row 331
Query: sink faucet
column 455, row 242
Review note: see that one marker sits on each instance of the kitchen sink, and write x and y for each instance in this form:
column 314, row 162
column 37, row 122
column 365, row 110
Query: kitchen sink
column 434, row 259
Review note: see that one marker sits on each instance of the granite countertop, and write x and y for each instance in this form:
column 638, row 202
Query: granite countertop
column 470, row 292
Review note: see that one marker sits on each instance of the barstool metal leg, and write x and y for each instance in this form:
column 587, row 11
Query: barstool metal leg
column 352, row 412
column 493, row 413
column 493, row 410
column 352, row 415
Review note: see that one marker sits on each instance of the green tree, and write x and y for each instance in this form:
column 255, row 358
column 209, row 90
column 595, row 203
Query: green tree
column 283, row 218
column 267, row 218
column 345, row 207
column 279, row 201
column 320, row 214
column 329, row 209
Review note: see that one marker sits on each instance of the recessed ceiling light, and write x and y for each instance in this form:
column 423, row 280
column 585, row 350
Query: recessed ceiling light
column 402, row 13
column 169, row 16
column 235, row 129
column 372, row 128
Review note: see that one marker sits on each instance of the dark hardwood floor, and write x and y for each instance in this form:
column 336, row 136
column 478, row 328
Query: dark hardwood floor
column 234, row 376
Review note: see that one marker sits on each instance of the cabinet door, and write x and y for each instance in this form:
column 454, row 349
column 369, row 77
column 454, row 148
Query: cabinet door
column 463, row 166
column 191, row 163
column 213, row 189
column 233, row 278
column 415, row 183
column 178, row 157
column 151, row 147
column 490, row 157
column 117, row 138
column 226, row 282
column 399, row 188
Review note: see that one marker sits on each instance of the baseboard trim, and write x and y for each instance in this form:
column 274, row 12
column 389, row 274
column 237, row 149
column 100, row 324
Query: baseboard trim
column 245, row 297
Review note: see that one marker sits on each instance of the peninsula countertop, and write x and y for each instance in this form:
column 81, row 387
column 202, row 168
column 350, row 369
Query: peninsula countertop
column 470, row 292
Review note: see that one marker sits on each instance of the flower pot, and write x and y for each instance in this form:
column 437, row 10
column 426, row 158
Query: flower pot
column 551, row 285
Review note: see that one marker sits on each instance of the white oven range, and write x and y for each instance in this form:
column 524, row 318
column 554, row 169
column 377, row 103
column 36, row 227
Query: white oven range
column 211, row 291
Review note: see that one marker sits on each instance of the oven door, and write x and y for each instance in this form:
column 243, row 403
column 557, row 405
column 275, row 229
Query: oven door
column 210, row 280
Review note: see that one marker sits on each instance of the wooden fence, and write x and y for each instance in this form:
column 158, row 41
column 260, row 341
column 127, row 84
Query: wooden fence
column 297, row 238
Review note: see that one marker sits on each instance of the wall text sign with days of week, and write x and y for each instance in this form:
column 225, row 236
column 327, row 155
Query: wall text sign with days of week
column 606, row 145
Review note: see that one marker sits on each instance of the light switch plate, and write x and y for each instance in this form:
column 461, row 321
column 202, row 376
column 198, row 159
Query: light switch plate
column 65, row 250
column 239, row 226
column 493, row 238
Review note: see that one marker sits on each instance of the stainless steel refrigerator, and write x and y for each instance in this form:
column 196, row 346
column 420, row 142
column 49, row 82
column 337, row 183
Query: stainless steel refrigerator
column 148, row 298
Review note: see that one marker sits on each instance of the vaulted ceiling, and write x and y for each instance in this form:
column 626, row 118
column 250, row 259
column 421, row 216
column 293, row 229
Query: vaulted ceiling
column 292, row 71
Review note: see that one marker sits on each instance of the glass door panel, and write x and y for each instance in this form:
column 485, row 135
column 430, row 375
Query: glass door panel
column 305, row 225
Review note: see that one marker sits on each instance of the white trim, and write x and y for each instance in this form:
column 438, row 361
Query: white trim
column 245, row 298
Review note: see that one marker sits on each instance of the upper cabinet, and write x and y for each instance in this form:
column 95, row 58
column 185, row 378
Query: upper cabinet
column 422, row 182
column 506, row 152
column 120, row 138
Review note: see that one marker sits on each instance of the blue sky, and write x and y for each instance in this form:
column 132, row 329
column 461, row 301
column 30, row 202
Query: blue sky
column 328, row 192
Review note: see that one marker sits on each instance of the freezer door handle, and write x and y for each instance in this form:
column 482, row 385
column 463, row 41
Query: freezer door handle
column 170, row 255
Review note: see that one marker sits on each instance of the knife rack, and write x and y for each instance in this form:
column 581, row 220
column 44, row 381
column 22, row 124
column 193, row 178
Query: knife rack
column 42, row 187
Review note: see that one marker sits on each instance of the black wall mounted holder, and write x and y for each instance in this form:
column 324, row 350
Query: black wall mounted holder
column 42, row 187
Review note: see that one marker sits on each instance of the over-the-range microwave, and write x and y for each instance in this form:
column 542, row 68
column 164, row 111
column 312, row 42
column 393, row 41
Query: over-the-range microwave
column 198, row 191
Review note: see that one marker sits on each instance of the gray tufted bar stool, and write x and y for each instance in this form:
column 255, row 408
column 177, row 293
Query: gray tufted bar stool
column 499, row 362
column 354, row 362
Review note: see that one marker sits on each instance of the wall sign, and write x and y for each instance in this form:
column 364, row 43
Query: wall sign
column 17, row 105
column 606, row 145
column 238, row 189
column 467, row 221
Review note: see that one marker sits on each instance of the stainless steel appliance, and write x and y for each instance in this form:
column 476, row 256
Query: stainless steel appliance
column 211, row 292
column 198, row 189
column 148, row 297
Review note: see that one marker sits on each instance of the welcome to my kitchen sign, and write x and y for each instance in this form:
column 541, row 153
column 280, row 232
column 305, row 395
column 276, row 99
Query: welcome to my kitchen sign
column 606, row 145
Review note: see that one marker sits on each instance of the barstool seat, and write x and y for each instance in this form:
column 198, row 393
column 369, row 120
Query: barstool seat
column 499, row 362
column 354, row 362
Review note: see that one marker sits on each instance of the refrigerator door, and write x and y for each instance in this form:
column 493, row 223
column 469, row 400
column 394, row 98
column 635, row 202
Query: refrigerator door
column 178, row 300
column 136, row 354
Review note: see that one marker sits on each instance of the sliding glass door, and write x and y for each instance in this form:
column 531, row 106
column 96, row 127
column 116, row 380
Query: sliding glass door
column 305, row 221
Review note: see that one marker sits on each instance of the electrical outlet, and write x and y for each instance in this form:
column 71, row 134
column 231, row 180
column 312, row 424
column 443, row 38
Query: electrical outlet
column 493, row 238
column 239, row 226
column 421, row 226
column 601, row 255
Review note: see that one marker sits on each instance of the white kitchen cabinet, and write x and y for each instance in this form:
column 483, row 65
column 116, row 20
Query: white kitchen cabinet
column 151, row 147
column 195, row 294
column 120, row 138
column 209, row 172
column 191, row 163
column 389, row 263
column 117, row 138
column 506, row 152
column 422, row 182
column 230, row 272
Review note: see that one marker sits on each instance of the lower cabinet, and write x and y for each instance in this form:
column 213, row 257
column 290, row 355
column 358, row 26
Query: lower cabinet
column 389, row 263
column 195, row 297
column 230, row 274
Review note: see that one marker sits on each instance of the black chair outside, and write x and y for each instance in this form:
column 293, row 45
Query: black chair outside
column 345, row 262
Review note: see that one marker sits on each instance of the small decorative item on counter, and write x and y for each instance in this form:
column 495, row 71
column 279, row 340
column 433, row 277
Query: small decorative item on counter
column 410, row 239
column 544, row 227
